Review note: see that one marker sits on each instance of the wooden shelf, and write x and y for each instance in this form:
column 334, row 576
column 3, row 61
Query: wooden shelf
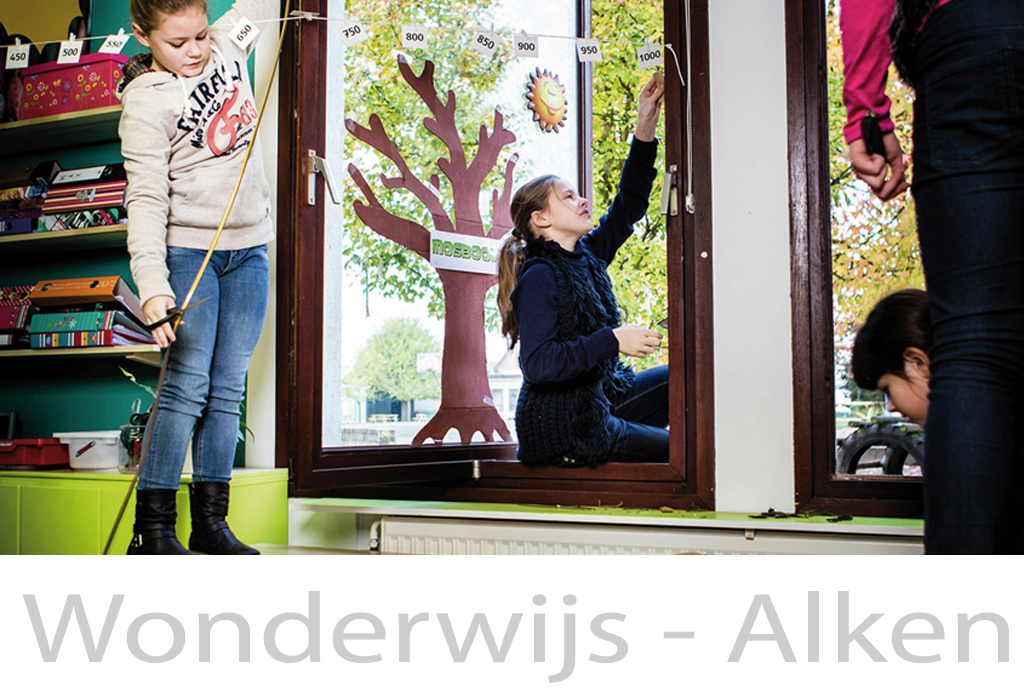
column 49, row 132
column 150, row 355
column 66, row 240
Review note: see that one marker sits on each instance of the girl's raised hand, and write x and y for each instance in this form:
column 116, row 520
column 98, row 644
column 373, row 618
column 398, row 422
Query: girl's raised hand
column 649, row 110
column 637, row 341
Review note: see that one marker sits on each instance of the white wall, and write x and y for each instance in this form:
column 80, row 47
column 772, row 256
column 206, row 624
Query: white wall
column 260, row 414
column 752, row 319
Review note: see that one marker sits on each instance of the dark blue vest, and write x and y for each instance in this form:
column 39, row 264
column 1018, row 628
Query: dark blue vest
column 566, row 423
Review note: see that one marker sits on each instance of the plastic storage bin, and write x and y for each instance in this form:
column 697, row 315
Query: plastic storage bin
column 33, row 454
column 93, row 450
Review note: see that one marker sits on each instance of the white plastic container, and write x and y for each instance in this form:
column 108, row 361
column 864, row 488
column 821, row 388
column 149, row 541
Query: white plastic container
column 93, row 450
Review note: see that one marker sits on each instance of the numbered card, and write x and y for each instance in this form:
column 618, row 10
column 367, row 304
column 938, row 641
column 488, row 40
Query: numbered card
column 649, row 56
column 588, row 50
column 485, row 43
column 525, row 45
column 70, row 52
column 352, row 32
column 17, row 56
column 115, row 42
column 414, row 36
column 244, row 33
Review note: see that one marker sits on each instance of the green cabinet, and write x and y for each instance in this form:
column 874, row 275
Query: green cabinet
column 71, row 512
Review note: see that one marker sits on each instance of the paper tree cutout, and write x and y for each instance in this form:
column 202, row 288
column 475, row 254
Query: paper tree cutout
column 466, row 401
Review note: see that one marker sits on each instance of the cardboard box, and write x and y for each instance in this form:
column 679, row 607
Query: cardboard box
column 84, row 197
column 51, row 88
column 71, row 292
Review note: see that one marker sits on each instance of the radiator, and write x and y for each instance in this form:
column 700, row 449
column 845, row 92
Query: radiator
column 407, row 535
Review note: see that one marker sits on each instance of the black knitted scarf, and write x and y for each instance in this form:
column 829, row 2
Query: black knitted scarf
column 907, row 17
column 565, row 423
column 139, row 64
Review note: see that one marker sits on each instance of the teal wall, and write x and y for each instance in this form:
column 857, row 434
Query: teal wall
column 51, row 394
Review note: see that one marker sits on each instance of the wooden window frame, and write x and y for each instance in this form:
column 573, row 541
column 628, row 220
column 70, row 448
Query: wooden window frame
column 487, row 471
column 811, row 279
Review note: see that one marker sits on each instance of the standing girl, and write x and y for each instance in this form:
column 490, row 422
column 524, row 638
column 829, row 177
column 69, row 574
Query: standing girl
column 579, row 405
column 189, row 115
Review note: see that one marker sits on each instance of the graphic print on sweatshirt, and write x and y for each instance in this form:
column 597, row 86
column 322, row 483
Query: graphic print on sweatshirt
column 219, row 112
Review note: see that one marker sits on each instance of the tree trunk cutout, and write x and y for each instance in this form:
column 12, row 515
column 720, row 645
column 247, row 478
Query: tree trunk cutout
column 466, row 401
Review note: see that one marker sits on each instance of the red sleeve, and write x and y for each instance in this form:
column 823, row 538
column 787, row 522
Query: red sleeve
column 866, row 56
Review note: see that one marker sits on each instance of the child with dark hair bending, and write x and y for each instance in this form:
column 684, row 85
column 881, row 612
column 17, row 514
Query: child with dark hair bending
column 890, row 353
column 579, row 404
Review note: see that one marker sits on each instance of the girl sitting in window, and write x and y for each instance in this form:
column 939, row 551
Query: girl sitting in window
column 579, row 404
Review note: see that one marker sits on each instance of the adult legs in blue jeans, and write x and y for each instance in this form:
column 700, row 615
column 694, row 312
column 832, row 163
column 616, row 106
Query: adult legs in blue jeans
column 639, row 418
column 969, row 190
column 205, row 378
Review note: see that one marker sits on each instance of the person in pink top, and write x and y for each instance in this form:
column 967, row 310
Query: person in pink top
column 865, row 27
column 965, row 61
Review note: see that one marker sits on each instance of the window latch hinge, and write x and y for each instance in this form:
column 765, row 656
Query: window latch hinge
column 315, row 164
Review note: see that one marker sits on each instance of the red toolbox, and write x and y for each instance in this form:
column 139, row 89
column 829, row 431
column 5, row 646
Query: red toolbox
column 33, row 454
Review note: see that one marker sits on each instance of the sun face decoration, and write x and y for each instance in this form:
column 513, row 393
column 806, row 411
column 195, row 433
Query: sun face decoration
column 545, row 97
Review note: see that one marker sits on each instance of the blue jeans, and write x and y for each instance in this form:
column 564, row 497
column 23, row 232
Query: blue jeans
column 639, row 418
column 969, row 191
column 206, row 371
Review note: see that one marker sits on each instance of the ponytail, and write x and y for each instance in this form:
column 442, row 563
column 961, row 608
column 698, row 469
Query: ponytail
column 510, row 261
column 530, row 197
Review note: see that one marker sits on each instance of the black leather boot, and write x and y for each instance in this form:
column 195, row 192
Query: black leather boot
column 154, row 524
column 210, row 532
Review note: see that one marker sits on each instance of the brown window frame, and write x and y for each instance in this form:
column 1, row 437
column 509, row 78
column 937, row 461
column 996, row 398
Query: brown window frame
column 479, row 471
column 811, row 280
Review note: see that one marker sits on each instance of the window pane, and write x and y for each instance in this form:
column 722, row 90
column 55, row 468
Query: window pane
column 874, row 253
column 639, row 271
column 390, row 340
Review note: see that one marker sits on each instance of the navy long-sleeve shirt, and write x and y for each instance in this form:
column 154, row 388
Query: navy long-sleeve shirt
column 542, row 357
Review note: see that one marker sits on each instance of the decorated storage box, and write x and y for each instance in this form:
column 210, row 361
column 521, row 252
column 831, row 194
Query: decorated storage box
column 92, row 450
column 51, row 88
column 33, row 453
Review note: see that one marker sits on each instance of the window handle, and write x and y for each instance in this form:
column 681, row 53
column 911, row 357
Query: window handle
column 315, row 164
column 670, row 192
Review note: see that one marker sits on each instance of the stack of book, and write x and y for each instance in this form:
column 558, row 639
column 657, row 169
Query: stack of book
column 15, row 311
column 86, row 328
column 82, row 312
column 22, row 195
column 84, row 198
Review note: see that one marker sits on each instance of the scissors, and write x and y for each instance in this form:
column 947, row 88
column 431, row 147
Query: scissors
column 172, row 314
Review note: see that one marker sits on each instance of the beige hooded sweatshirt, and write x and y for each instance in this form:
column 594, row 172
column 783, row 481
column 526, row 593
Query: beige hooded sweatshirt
column 183, row 141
